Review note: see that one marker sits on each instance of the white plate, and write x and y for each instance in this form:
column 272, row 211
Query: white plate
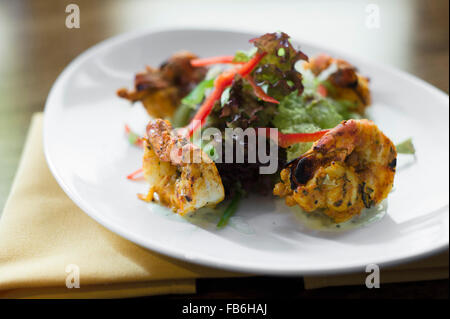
column 90, row 157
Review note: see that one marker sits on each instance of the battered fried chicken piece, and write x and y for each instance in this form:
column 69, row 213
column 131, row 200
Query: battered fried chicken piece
column 162, row 89
column 350, row 168
column 347, row 84
column 182, row 175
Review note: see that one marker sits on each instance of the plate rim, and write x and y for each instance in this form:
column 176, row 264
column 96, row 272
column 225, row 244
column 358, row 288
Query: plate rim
column 201, row 260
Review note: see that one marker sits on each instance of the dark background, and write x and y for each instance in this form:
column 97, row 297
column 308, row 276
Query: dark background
column 35, row 46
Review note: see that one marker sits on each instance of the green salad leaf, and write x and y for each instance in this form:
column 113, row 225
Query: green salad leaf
column 244, row 56
column 300, row 112
column 190, row 102
column 308, row 113
column 198, row 93
column 406, row 147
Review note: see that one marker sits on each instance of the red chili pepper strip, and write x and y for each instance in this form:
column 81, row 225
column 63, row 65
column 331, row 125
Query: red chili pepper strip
column 205, row 109
column 221, row 82
column 250, row 65
column 214, row 60
column 259, row 91
column 286, row 140
column 134, row 176
column 322, row 90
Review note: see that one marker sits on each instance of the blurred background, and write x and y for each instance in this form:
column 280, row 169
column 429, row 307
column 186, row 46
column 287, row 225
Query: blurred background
column 35, row 44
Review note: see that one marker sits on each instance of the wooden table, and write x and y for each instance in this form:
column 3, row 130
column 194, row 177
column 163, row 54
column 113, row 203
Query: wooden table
column 35, row 46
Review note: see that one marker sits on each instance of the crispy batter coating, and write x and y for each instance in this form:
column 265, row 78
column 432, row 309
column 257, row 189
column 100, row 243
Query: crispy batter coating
column 161, row 89
column 182, row 175
column 347, row 84
column 350, row 168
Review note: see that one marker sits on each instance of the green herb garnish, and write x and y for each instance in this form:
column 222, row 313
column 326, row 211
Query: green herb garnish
column 230, row 209
column 406, row 147
column 189, row 103
column 198, row 93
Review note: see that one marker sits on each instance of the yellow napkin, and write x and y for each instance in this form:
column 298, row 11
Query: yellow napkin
column 42, row 232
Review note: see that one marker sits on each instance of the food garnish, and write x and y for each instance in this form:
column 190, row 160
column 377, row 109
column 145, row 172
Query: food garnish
column 222, row 81
column 133, row 138
column 214, row 60
column 230, row 209
column 137, row 175
column 406, row 147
